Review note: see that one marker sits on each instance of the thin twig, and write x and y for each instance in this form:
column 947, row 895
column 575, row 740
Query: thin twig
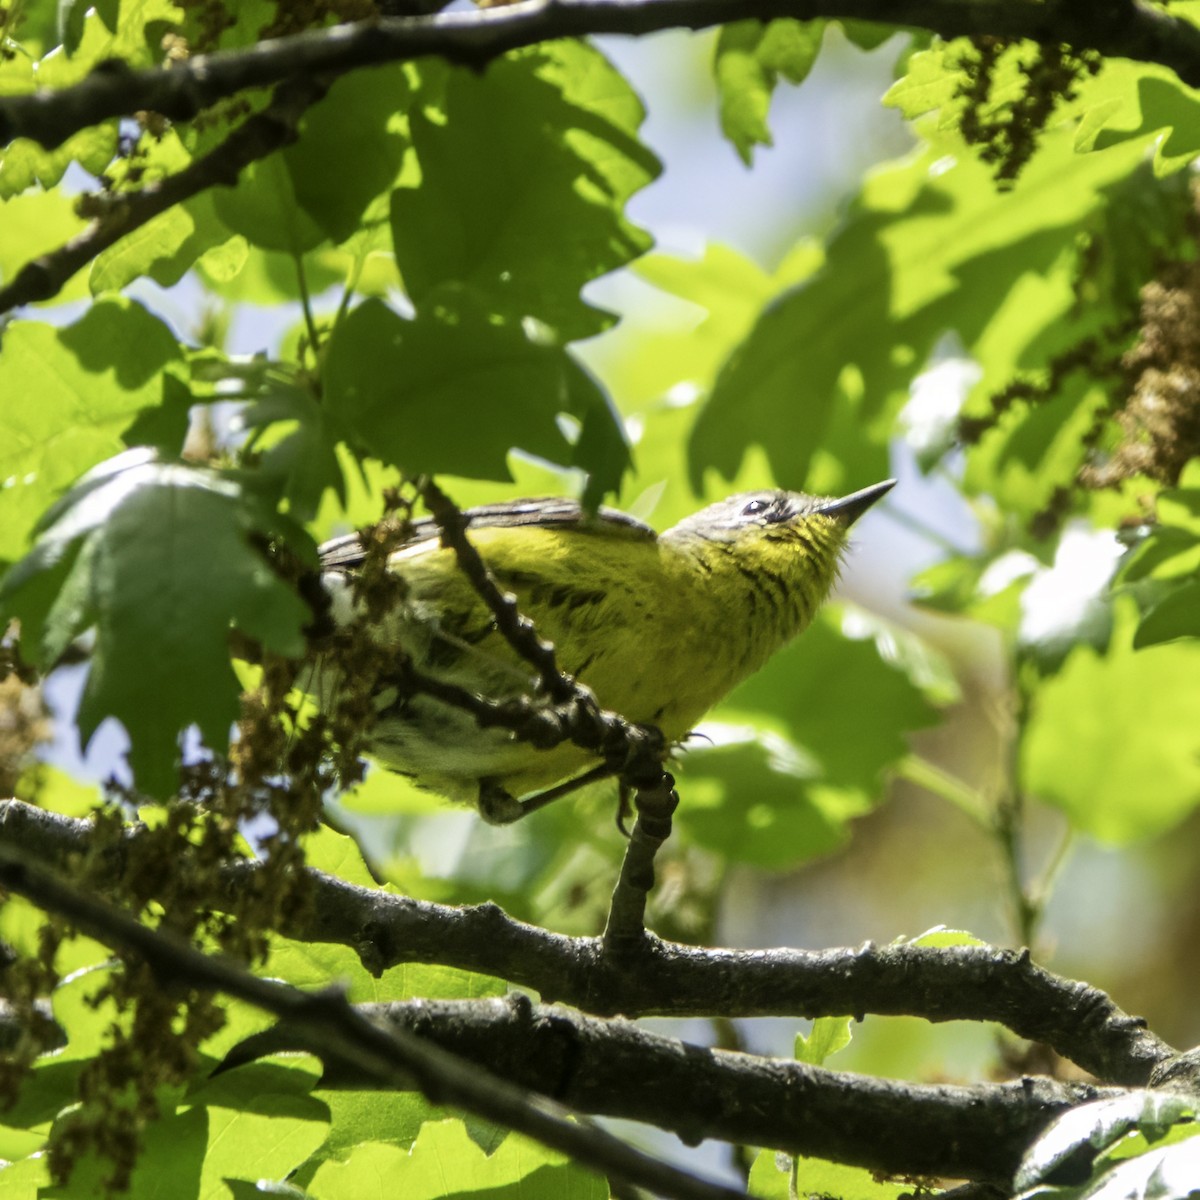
column 543, row 725
column 516, row 629
column 258, row 136
column 383, row 1057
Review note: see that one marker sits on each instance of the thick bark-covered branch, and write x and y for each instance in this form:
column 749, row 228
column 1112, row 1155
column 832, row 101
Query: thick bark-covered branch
column 615, row 1069
column 1118, row 28
column 667, row 979
column 376, row 1054
column 538, row 1059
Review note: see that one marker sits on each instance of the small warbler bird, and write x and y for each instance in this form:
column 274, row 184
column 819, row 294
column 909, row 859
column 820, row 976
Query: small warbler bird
column 659, row 626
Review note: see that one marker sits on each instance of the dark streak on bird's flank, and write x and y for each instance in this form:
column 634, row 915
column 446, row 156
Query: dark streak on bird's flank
column 569, row 597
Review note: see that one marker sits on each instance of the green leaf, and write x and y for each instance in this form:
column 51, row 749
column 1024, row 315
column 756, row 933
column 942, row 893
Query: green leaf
column 298, row 443
column 140, row 542
column 939, row 935
column 169, row 245
column 1114, row 740
column 266, row 211
column 389, row 1118
column 1140, row 102
column 383, row 792
column 108, row 12
column 819, row 1177
column 789, row 768
column 49, row 1087
column 306, row 965
column 24, row 1180
column 24, row 164
column 1176, row 615
column 866, row 35
column 660, row 370
column 165, row 248
column 781, row 1177
column 827, row 1036
column 337, row 854
column 729, row 289
column 165, row 427
column 100, row 38
column 32, row 224
column 1035, row 448
column 310, row 965
column 84, row 1010
column 749, row 58
column 1124, row 102
column 53, row 790
column 840, row 699
column 755, row 800
column 452, row 392
column 771, row 1176
column 260, row 1117
column 350, row 148
column 445, row 1162
column 244, row 274
column 525, row 171
column 73, row 392
column 1169, row 555
column 932, row 81
column 928, row 247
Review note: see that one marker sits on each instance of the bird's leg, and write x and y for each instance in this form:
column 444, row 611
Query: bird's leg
column 499, row 807
column 625, row 930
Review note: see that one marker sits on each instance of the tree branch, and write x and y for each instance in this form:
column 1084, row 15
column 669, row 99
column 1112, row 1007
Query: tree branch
column 625, row 930
column 516, row 628
column 1118, row 28
column 615, row 1069
column 262, row 134
column 668, row 979
column 393, row 1056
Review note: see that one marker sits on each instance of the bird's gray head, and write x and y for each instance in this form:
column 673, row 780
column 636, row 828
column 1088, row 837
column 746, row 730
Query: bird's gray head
column 755, row 513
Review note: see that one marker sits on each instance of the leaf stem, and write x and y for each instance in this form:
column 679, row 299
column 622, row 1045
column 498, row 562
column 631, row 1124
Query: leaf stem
column 314, row 338
column 949, row 787
column 1009, row 827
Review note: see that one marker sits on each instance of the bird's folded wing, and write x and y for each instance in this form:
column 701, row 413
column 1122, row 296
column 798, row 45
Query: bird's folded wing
column 346, row 552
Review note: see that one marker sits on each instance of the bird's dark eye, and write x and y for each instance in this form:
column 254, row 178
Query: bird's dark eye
column 754, row 507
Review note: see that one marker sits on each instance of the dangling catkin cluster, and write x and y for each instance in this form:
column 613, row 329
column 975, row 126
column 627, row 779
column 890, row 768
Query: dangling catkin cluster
column 1006, row 132
column 1160, row 420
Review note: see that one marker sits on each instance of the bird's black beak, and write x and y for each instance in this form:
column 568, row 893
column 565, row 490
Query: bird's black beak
column 849, row 508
